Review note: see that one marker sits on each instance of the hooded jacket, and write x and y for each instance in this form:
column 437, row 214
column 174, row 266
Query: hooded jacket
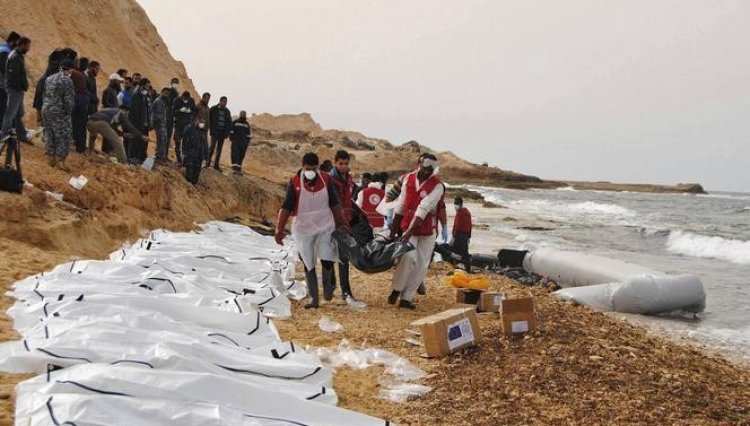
column 15, row 72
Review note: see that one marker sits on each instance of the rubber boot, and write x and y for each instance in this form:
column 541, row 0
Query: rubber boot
column 312, row 287
column 346, row 289
column 329, row 283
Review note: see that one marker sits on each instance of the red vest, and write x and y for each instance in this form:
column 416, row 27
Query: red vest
column 371, row 198
column 320, row 185
column 413, row 196
column 344, row 189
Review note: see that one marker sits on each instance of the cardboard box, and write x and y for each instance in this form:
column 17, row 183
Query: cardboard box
column 490, row 301
column 467, row 296
column 448, row 331
column 517, row 316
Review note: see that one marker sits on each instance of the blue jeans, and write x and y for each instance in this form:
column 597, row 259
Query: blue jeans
column 13, row 111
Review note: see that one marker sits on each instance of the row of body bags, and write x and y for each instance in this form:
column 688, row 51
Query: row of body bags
column 173, row 330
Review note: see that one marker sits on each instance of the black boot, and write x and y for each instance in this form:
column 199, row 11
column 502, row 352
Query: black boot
column 393, row 298
column 422, row 290
column 406, row 304
column 312, row 287
column 346, row 290
column 329, row 283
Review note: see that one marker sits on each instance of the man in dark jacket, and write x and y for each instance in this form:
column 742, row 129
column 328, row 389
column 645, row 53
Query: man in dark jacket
column 109, row 96
column 81, row 108
column 220, row 123
column 240, row 138
column 17, row 84
column 342, row 181
column 183, row 109
column 5, row 49
column 140, row 116
column 174, row 86
column 194, row 148
column 91, row 74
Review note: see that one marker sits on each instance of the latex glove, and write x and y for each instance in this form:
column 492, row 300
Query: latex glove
column 445, row 234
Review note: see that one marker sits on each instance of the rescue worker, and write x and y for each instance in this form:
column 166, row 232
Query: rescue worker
column 369, row 199
column 240, row 138
column 344, row 185
column 461, row 232
column 184, row 109
column 312, row 200
column 416, row 216
column 194, row 148
column 57, row 111
column 105, row 122
column 159, row 119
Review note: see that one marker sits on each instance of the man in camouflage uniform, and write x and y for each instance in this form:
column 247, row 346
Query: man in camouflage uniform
column 59, row 99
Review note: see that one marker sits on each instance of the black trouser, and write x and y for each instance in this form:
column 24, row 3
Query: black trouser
column 461, row 247
column 346, row 289
column 3, row 102
column 170, row 129
column 239, row 149
column 179, row 127
column 79, row 119
column 312, row 280
column 217, row 143
column 193, row 169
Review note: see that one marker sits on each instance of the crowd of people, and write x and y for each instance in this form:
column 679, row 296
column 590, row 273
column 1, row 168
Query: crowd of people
column 69, row 106
column 323, row 197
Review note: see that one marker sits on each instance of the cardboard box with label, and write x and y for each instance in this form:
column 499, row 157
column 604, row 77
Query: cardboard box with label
column 490, row 301
column 448, row 331
column 517, row 316
column 468, row 296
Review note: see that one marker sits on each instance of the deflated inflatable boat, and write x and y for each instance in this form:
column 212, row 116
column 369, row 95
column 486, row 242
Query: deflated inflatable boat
column 616, row 286
column 173, row 330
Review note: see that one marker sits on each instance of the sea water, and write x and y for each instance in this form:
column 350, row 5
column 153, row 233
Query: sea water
column 705, row 235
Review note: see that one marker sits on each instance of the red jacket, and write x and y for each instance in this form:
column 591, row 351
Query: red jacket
column 371, row 198
column 344, row 189
column 462, row 221
column 413, row 196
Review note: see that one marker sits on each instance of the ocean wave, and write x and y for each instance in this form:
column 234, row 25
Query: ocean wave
column 590, row 207
column 735, row 196
column 696, row 245
column 567, row 188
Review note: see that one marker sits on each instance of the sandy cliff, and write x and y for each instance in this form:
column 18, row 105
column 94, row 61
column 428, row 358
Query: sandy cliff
column 117, row 33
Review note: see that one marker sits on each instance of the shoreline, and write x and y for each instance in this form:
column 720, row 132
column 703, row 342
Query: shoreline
column 576, row 351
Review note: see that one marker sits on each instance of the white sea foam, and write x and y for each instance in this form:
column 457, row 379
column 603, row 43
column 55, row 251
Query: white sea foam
column 588, row 208
column 696, row 245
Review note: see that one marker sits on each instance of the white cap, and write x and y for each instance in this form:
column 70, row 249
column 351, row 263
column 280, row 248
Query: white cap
column 115, row 77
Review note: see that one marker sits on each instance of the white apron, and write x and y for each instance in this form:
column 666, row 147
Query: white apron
column 313, row 226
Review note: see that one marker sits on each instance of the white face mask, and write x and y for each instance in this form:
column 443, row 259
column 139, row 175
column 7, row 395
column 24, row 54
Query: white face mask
column 175, row 86
column 201, row 125
column 310, row 174
column 145, row 92
column 456, row 206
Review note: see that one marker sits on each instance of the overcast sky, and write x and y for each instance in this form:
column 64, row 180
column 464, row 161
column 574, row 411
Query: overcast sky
column 652, row 91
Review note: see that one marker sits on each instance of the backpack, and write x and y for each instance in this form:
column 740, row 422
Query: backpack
column 11, row 179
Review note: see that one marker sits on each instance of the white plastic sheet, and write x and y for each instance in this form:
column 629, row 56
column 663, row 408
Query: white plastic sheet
column 172, row 330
